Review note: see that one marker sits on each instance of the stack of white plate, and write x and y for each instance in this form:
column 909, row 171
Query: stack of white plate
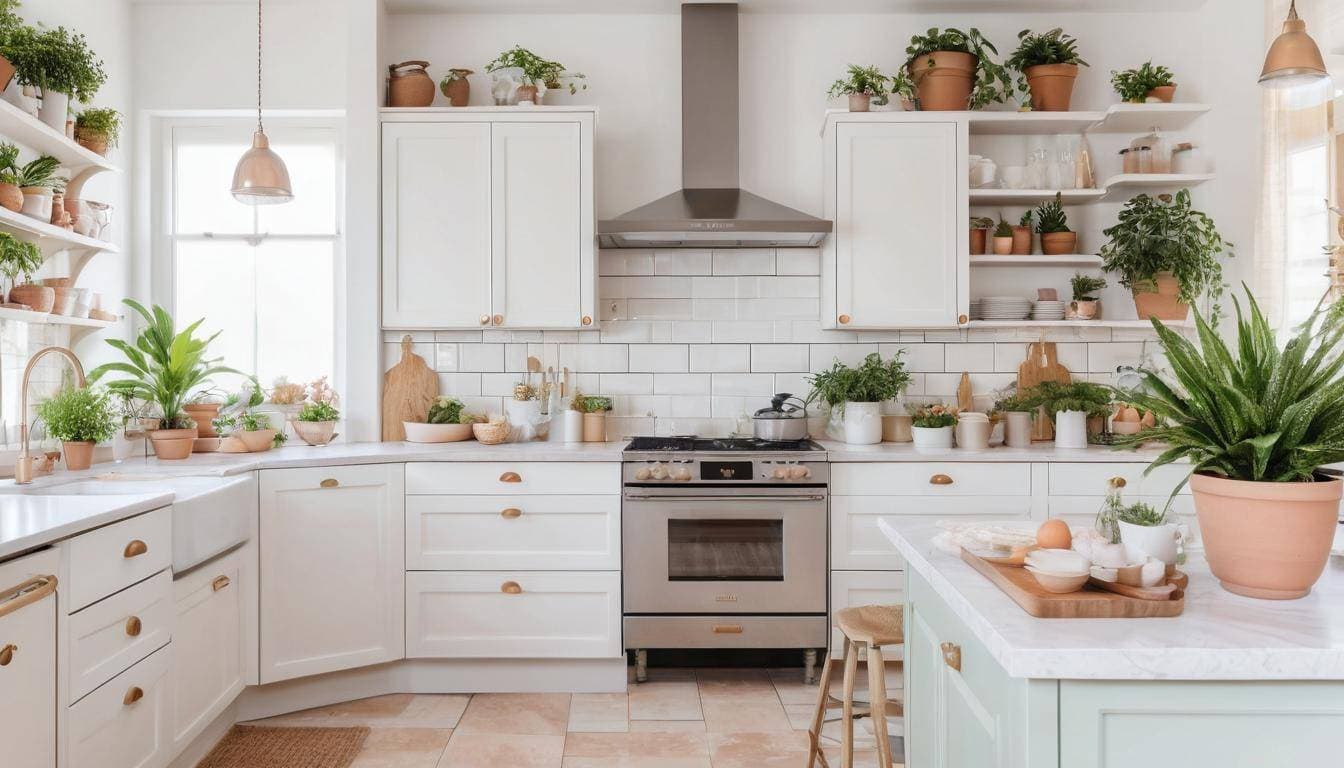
column 1005, row 308
column 1048, row 310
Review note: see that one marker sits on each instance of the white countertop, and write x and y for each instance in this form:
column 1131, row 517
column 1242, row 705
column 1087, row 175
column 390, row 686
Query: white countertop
column 1220, row 636
column 29, row 522
column 1043, row 452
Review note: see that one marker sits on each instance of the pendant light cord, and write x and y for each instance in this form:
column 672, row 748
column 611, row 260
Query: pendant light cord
column 259, row 128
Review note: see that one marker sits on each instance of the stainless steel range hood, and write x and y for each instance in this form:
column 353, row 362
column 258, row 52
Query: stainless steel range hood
column 711, row 211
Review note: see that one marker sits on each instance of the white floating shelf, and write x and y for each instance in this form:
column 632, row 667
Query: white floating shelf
column 22, row 128
column 82, row 322
column 1037, row 260
column 49, row 236
column 1117, row 118
column 1141, row 324
column 1138, row 118
column 46, row 318
column 1126, row 185
column 1033, row 196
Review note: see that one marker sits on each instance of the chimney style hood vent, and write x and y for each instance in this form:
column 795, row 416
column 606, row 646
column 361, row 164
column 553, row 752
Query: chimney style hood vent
column 711, row 211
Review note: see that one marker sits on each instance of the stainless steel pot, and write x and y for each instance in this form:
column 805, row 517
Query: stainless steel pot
column 784, row 421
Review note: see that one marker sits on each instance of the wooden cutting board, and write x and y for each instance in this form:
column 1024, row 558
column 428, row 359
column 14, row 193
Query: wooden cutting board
column 409, row 388
column 965, row 398
column 1088, row 603
column 1042, row 364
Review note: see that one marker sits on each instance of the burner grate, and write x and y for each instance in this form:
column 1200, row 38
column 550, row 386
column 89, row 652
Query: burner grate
column 723, row 444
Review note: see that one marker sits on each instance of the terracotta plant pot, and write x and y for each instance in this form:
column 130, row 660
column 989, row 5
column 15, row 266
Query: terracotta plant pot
column 1164, row 303
column 978, row 239
column 93, row 141
column 172, row 444
column 1266, row 540
column 1021, row 241
column 860, row 102
column 943, row 80
column 527, row 93
column 1003, row 245
column 417, row 432
column 11, row 197
column 258, row 440
column 1056, row 243
column 204, row 414
column 409, row 85
column 232, row 444
column 7, row 72
column 594, row 427
column 78, row 454
column 1162, row 93
column 457, row 91
column 1051, row 86
column 38, row 297
column 314, row 432
column 1085, row 310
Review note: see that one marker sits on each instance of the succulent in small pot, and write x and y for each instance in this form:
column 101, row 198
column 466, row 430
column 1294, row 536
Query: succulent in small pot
column 931, row 426
column 861, row 85
column 1049, row 61
column 80, row 417
column 1022, row 233
column 456, row 87
column 1053, row 227
column 315, row 423
column 952, row 70
column 1085, row 304
column 980, row 226
column 1135, row 86
column 98, row 129
column 594, row 410
column 856, row 394
column 1003, row 238
column 447, row 422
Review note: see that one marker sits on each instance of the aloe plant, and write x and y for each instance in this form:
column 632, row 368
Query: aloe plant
column 1256, row 412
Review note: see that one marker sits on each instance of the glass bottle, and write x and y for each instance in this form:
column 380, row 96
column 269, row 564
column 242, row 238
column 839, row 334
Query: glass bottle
column 1108, row 517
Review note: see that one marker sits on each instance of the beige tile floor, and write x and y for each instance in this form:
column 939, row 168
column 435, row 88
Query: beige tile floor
column 681, row 718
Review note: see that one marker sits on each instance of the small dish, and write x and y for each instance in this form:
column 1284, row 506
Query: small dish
column 1059, row 583
column 1061, row 561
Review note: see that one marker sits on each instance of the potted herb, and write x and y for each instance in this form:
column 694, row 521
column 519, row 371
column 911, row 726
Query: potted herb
column 1085, row 304
column 80, row 417
column 61, row 64
column 164, row 366
column 1148, row 531
column 1022, row 234
column 1015, row 410
column 1003, row 238
column 316, row 423
column 1053, row 227
column 36, row 180
column 1050, row 62
column 1136, row 86
column 456, row 87
column 98, row 129
column 1070, row 407
column 980, row 226
column 11, row 196
column 256, row 432
column 861, row 85
column 557, row 81
column 1166, row 253
column 447, row 422
column 594, row 410
column 931, row 426
column 903, row 88
column 10, row 24
column 1256, row 422
column 532, row 70
column 856, row 394
column 20, row 257
column 952, row 70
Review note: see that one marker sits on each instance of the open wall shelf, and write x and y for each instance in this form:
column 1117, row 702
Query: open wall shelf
column 1037, row 260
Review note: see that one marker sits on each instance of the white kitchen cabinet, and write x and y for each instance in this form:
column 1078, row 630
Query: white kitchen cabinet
column 124, row 723
column 489, row 533
column 207, row 672
column 896, row 187
column 28, row 661
column 332, row 569
column 488, row 219
column 116, row 632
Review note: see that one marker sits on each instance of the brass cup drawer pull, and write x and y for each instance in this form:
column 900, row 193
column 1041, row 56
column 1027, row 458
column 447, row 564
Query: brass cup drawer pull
column 135, row 694
column 844, row 319
column 952, row 655
column 511, row 588
column 7, row 654
column 27, row 593
column 727, row 629
column 512, row 513
column 510, row 477
column 330, row 482
column 133, row 626
column 940, row 479
column 220, row 582
column 135, row 549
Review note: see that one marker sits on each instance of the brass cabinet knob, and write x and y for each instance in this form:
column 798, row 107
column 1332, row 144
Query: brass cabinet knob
column 962, row 319
column 135, row 549
column 330, row 482
column 7, row 654
column 511, row 588
column 498, row 319
column 727, row 629
column 1117, row 482
column 133, row 626
column 220, row 582
column 844, row 319
column 135, row 694
column 510, row 477
column 511, row 513
column 586, row 320
column 952, row 655
column 940, row 479
column 485, row 319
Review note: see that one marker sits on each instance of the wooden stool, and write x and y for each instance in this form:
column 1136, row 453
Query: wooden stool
column 867, row 627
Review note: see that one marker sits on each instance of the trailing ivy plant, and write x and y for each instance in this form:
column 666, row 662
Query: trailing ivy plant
column 992, row 84
column 867, row 80
column 1085, row 287
column 872, row 381
column 1050, row 216
column 533, row 69
column 1133, row 85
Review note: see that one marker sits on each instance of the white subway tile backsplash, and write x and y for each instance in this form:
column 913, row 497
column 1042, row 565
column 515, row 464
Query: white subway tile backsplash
column 391, row 355
column 745, row 261
column 972, row 357
column 724, row 287
column 460, row 385
column 925, row 358
column 720, row 358
column 515, row 357
column 481, row 358
column 417, row 337
column 622, row 262
column 1103, row 358
column 641, row 405
column 798, row 261
column 739, row 332
column 468, row 336
column 810, row 331
column 944, row 385
column 822, row 356
column 729, row 407
column 647, row 287
column 715, row 309
column 636, row 331
column 499, row 384
column 779, row 358
column 952, row 335
column 596, row 358
column 659, row 358
column 496, row 336
column 445, row 357
column 777, row 309
column 658, row 309
column 611, row 309
column 625, row 383
column 678, row 261
column 681, row 383
column 692, row 331
column 797, row 384
column 748, row 384
column 691, row 407
column 788, row 287
column 560, row 337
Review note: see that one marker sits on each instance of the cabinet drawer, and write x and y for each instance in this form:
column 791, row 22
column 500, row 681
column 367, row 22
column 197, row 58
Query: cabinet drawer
column 481, row 533
column 1081, row 511
column 114, row 557
column 207, row 645
column 857, row 544
column 28, row 676
column 124, row 723
column 551, row 615
column 951, row 478
column 513, row 478
column 1079, row 479
column 853, row 588
column 111, row 635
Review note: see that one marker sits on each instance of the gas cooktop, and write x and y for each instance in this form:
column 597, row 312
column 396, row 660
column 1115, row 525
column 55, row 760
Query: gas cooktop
column 719, row 445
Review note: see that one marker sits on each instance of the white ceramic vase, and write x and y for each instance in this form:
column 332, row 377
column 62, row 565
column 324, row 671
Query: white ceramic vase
column 1017, row 429
column 973, row 433
column 55, row 108
column 932, row 438
column 573, row 428
column 1071, row 429
column 1157, row 541
column 37, row 206
column 862, row 423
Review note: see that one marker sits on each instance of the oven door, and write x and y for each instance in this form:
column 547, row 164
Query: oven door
column 719, row 550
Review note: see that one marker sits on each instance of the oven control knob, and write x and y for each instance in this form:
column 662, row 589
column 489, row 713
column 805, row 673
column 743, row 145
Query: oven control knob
column 799, row 473
column 682, row 474
column 781, row 473
column 643, row 473
column 659, row 472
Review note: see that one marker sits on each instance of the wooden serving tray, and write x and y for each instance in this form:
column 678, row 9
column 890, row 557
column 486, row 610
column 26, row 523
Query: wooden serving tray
column 1088, row 603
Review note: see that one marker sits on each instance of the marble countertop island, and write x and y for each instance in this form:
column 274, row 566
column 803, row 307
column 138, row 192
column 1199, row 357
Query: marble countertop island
column 1220, row 636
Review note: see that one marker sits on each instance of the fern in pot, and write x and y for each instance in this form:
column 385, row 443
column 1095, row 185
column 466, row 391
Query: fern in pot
column 861, row 85
column 856, row 394
column 1257, row 422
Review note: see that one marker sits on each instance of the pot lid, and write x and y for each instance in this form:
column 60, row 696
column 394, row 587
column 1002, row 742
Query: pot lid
column 782, row 408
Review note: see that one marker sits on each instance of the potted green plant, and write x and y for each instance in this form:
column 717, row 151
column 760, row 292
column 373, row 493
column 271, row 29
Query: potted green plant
column 558, row 81
column 456, row 87
column 861, row 85
column 1070, row 407
column 1015, row 410
column 98, row 129
column 953, row 70
column 903, row 88
column 10, row 24
column 1053, row 226
column 1136, row 86
column 256, row 432
column 1049, row 61
column 58, row 62
column 931, row 427
column 856, row 394
column 447, row 422
column 1256, row 421
column 980, row 226
column 1148, row 530
column 1022, row 234
column 20, row 257
column 37, row 180
column 1085, row 304
column 11, row 196
column 594, row 410
column 1166, row 252
column 80, row 417
column 1003, row 238
column 164, row 367
column 531, row 69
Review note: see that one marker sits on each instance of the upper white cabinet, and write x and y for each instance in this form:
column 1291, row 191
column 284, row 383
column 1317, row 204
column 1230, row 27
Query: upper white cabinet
column 897, row 191
column 488, row 218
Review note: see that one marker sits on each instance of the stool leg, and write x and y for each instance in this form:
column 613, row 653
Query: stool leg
column 819, row 718
column 847, row 732
column 877, row 693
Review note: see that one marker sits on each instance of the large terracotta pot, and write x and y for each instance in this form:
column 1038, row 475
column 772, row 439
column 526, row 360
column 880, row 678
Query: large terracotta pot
column 457, row 90
column 204, row 414
column 1051, row 86
column 1021, row 240
column 978, row 239
column 6, row 73
column 172, row 444
column 78, row 454
column 38, row 297
column 257, row 440
column 527, row 93
column 409, row 85
column 1164, row 303
column 943, row 80
column 1267, row 540
column 93, row 141
column 1163, row 93
column 1056, row 243
column 11, row 197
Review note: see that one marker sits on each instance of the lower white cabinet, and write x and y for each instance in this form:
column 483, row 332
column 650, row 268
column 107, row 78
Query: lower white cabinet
column 124, row 723
column 484, row 533
column 114, row 633
column 858, row 544
column 207, row 645
column 503, row 614
column 332, row 560
column 28, row 661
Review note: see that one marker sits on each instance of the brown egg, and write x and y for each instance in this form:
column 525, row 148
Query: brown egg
column 1054, row 534
column 1149, row 420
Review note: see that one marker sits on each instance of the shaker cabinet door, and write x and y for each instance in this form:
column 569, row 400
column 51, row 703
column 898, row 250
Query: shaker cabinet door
column 436, row 225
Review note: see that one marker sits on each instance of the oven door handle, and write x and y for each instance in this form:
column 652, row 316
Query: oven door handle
column 762, row 497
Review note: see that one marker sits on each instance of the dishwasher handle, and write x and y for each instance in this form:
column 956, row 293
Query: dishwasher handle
column 27, row 593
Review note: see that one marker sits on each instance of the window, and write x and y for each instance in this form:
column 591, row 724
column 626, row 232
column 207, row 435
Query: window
column 263, row 276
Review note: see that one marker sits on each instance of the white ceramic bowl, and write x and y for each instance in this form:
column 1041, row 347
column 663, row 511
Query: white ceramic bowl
column 1058, row 561
column 436, row 433
column 1059, row 584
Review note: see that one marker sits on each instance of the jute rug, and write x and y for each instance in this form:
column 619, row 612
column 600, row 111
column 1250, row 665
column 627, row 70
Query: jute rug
column 247, row 746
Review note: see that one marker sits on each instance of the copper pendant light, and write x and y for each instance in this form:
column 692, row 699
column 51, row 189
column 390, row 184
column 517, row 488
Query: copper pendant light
column 261, row 177
column 1293, row 57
